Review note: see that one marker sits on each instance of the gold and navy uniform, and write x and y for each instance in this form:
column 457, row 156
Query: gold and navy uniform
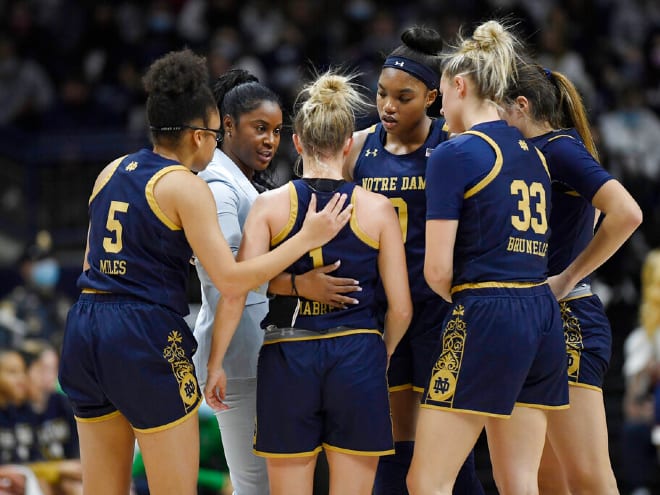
column 134, row 248
column 576, row 177
column 321, row 371
column 132, row 305
column 502, row 343
column 402, row 179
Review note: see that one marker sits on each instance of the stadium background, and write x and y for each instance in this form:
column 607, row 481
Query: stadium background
column 71, row 100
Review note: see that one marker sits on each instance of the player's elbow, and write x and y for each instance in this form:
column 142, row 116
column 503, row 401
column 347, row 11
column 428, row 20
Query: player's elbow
column 401, row 312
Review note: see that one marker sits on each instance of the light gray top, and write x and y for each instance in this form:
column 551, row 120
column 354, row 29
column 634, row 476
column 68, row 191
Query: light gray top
column 234, row 195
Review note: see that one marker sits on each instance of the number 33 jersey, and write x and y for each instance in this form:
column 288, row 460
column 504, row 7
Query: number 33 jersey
column 134, row 248
column 497, row 185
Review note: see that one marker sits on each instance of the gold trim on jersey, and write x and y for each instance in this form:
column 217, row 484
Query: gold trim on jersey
column 417, row 389
column 169, row 425
column 572, row 193
column 581, row 296
column 357, row 230
column 543, row 161
column 585, row 385
column 542, row 406
column 352, row 331
column 149, row 194
column 97, row 419
column 560, row 136
column 467, row 411
column 365, row 453
column 405, row 386
column 495, row 285
column 286, row 456
column 372, row 129
column 95, row 291
column 497, row 166
column 445, row 127
column 293, row 213
column 113, row 168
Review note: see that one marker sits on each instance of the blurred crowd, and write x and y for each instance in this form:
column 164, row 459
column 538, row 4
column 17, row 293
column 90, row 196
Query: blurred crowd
column 70, row 71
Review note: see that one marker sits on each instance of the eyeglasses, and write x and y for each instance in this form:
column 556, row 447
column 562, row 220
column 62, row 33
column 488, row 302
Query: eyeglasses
column 176, row 128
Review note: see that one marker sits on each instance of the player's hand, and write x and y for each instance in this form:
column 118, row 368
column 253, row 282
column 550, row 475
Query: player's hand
column 12, row 481
column 319, row 227
column 214, row 392
column 317, row 285
column 560, row 285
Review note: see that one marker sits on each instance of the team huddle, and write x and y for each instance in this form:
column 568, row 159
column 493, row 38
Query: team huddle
column 496, row 212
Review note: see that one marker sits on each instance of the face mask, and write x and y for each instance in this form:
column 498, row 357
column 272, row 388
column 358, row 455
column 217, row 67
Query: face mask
column 45, row 273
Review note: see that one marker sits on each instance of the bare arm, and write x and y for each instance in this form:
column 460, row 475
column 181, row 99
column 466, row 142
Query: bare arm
column 439, row 257
column 193, row 206
column 227, row 317
column 394, row 275
column 255, row 242
column 622, row 217
column 359, row 137
column 317, row 285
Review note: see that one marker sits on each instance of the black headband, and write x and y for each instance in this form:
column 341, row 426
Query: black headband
column 422, row 72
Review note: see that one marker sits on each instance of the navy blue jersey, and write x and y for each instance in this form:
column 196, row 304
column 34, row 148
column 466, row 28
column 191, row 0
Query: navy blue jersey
column 576, row 177
column 134, row 249
column 359, row 260
column 497, row 185
column 18, row 443
column 402, row 178
column 57, row 435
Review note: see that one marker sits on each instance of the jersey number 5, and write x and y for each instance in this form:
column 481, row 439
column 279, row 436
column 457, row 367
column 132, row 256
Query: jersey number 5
column 113, row 225
column 537, row 219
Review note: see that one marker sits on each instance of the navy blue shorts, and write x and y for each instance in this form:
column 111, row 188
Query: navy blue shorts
column 122, row 355
column 327, row 392
column 500, row 348
column 413, row 358
column 588, row 339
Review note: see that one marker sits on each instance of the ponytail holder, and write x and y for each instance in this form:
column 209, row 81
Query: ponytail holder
column 548, row 74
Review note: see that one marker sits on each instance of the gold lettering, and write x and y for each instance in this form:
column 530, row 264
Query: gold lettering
column 113, row 267
column 527, row 246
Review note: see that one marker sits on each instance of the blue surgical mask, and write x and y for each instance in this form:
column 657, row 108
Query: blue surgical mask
column 45, row 273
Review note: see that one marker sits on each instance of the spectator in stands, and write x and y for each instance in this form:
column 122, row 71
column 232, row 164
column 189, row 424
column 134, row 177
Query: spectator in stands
column 36, row 309
column 641, row 370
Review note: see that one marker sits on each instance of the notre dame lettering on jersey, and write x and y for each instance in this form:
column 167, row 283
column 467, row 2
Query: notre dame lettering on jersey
column 402, row 178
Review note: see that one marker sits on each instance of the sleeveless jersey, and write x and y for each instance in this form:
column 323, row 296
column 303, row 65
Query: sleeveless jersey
column 134, row 249
column 359, row 256
column 576, row 177
column 497, row 184
column 402, row 178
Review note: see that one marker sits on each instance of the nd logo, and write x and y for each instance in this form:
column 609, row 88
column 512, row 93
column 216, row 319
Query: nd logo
column 442, row 386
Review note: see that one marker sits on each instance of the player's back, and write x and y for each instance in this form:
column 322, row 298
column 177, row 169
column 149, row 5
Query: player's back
column 503, row 228
column 357, row 251
column 134, row 248
column 576, row 177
